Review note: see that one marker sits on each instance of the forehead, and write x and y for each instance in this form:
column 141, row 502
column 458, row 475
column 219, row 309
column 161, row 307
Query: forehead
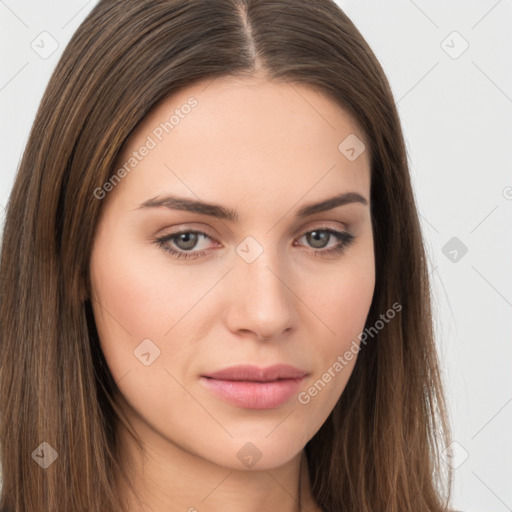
column 246, row 135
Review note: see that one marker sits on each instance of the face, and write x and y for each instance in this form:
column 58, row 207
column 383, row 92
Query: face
column 225, row 326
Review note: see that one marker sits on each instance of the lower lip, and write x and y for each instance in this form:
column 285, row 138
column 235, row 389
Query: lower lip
column 254, row 395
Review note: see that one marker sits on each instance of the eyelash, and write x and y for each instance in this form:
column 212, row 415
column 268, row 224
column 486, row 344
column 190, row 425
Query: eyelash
column 345, row 240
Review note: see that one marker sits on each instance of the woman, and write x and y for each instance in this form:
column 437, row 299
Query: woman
column 214, row 292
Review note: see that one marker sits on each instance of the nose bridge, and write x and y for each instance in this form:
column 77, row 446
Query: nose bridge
column 263, row 301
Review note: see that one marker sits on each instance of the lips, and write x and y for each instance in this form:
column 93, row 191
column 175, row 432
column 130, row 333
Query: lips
column 251, row 387
column 254, row 374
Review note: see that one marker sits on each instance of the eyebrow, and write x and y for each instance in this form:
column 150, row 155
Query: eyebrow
column 215, row 210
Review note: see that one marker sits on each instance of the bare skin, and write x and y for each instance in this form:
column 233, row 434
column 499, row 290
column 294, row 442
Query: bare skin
column 264, row 150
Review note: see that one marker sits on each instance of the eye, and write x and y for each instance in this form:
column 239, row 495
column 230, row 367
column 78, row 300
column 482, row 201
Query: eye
column 318, row 239
column 185, row 242
column 181, row 244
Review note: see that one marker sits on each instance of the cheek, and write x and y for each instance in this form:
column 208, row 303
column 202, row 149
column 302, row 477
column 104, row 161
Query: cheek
column 343, row 299
column 143, row 295
column 127, row 301
column 348, row 306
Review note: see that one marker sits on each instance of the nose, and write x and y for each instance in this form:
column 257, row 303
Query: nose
column 261, row 301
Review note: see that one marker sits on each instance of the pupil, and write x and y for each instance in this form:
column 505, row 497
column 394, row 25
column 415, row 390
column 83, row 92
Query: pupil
column 189, row 239
column 317, row 237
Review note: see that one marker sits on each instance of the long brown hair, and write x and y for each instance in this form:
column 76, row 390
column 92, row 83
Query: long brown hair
column 379, row 450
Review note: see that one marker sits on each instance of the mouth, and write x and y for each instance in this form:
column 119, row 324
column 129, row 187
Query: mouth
column 250, row 387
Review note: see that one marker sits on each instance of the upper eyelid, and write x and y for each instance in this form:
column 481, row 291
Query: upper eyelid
column 300, row 234
column 344, row 228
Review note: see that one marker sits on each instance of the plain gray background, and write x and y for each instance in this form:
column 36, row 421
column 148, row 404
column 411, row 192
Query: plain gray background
column 450, row 68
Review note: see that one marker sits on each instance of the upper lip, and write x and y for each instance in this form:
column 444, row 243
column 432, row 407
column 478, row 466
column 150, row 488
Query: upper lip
column 256, row 374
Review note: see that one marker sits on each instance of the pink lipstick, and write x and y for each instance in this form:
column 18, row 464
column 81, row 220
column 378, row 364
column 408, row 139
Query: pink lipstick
column 251, row 387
